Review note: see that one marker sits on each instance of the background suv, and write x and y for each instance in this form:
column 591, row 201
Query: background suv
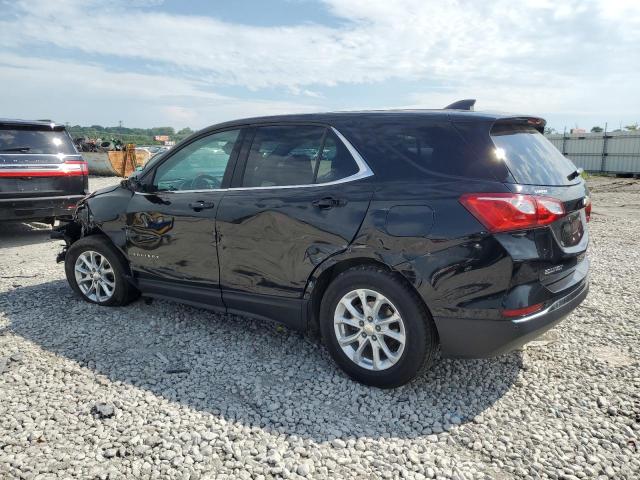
column 389, row 232
column 42, row 176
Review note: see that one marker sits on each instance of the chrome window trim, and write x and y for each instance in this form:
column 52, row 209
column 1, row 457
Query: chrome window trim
column 363, row 172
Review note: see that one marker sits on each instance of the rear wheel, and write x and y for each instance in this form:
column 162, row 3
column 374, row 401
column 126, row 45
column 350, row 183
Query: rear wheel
column 97, row 271
column 376, row 328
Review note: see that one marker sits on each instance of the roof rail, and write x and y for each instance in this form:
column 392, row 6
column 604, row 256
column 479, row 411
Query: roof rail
column 462, row 105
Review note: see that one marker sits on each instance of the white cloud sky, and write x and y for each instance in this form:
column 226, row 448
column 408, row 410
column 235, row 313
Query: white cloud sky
column 562, row 60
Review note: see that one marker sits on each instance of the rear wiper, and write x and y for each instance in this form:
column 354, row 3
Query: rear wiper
column 574, row 174
column 16, row 149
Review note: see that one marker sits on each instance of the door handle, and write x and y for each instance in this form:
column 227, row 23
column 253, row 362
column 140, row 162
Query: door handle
column 327, row 203
column 201, row 205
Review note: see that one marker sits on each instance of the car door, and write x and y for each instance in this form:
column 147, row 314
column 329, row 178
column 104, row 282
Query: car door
column 298, row 197
column 170, row 228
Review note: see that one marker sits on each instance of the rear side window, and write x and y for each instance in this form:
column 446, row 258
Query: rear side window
column 530, row 157
column 296, row 155
column 35, row 140
column 281, row 156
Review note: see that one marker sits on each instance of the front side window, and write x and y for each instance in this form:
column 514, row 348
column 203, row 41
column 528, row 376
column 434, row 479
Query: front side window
column 198, row 166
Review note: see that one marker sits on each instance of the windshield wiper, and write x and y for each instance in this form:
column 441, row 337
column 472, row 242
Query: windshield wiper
column 16, row 149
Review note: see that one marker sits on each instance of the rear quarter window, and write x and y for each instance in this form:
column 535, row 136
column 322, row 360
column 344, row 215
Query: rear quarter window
column 35, row 140
column 413, row 148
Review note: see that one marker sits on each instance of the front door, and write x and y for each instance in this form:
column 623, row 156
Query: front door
column 171, row 237
column 300, row 198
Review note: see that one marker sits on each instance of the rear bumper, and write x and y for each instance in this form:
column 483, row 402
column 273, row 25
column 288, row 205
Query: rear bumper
column 35, row 208
column 474, row 338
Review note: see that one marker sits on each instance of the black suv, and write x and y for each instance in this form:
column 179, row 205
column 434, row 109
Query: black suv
column 42, row 176
column 390, row 232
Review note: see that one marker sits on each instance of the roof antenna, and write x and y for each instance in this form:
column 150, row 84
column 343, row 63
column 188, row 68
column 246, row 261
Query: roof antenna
column 462, row 105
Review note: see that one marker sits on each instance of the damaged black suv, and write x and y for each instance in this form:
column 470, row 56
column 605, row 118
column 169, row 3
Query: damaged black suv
column 392, row 233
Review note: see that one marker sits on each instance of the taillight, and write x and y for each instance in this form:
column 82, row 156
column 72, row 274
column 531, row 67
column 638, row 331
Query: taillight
column 76, row 167
column 503, row 212
column 587, row 207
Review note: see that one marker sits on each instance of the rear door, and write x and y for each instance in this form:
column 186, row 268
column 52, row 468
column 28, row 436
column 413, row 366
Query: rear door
column 39, row 161
column 298, row 197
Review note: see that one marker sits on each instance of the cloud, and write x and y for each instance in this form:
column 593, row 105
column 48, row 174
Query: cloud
column 67, row 90
column 570, row 56
column 381, row 40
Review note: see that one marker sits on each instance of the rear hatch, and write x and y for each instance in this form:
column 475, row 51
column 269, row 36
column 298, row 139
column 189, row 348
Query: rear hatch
column 39, row 160
column 538, row 169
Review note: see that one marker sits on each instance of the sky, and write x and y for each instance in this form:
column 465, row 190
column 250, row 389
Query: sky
column 195, row 63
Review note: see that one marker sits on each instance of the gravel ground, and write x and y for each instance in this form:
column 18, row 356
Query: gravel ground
column 162, row 390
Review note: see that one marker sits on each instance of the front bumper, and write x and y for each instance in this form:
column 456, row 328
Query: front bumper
column 35, row 208
column 475, row 338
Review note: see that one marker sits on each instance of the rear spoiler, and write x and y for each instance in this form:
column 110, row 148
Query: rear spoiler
column 535, row 122
column 32, row 124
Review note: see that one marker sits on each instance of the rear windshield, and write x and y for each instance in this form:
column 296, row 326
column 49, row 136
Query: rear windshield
column 32, row 140
column 530, row 157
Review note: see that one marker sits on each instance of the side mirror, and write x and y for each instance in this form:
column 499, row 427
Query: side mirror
column 133, row 184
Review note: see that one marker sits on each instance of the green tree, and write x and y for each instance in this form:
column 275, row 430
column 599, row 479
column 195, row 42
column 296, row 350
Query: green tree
column 596, row 129
column 139, row 136
column 633, row 127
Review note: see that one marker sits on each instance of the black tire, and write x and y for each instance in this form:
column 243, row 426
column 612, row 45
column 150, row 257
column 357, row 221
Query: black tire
column 123, row 292
column 420, row 335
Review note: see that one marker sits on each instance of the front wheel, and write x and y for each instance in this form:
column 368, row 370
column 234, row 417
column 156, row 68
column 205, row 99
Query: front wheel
column 96, row 271
column 376, row 328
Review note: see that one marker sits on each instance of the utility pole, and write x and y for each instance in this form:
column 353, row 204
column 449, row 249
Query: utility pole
column 603, row 157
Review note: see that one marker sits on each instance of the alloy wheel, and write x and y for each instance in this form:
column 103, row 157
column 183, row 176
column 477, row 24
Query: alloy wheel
column 95, row 276
column 369, row 329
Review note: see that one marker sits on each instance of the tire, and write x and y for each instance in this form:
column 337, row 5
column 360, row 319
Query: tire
column 121, row 292
column 409, row 358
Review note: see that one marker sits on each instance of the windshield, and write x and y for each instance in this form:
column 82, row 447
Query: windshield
column 530, row 157
column 35, row 140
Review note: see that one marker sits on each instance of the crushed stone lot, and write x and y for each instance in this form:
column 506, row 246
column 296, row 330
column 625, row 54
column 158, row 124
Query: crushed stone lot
column 162, row 390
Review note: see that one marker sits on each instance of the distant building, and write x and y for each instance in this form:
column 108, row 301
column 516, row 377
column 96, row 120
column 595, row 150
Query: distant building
column 161, row 138
column 578, row 130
